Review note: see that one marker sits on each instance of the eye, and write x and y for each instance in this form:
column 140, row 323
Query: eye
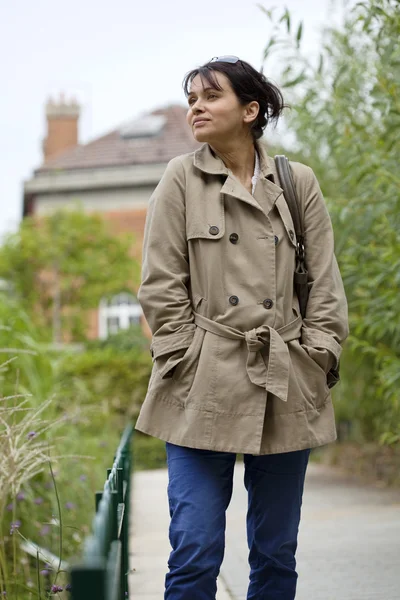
column 212, row 96
column 191, row 101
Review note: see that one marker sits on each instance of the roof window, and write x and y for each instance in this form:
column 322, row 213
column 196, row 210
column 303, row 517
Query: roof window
column 144, row 127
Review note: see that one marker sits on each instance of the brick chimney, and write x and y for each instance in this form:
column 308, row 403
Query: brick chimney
column 62, row 126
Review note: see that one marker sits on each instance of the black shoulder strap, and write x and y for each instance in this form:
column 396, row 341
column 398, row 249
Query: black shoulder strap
column 292, row 200
column 289, row 190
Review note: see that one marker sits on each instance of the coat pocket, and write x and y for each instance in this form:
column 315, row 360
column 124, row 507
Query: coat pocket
column 186, row 365
column 169, row 351
column 307, row 383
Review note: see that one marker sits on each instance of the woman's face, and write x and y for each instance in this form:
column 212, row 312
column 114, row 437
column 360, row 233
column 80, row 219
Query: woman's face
column 217, row 115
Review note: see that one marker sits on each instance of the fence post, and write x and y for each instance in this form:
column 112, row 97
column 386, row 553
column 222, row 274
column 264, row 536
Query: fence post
column 89, row 581
column 103, row 572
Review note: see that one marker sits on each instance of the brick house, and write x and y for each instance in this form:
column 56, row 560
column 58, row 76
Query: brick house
column 114, row 174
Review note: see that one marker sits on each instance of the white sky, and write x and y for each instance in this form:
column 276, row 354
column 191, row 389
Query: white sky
column 119, row 59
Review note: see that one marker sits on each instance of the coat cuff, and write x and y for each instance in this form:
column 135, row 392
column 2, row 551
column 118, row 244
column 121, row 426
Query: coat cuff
column 168, row 352
column 325, row 351
column 319, row 340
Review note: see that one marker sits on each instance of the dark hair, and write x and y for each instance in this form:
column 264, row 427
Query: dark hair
column 248, row 84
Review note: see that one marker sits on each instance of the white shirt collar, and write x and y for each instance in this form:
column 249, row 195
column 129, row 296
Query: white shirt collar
column 256, row 174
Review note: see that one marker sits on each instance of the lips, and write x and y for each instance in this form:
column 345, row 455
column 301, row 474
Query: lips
column 199, row 121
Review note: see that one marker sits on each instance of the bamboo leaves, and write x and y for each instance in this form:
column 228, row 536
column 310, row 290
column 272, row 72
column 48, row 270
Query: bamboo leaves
column 347, row 127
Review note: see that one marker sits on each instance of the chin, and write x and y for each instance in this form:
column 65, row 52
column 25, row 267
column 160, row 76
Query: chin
column 201, row 136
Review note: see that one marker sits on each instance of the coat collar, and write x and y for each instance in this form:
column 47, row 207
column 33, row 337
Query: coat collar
column 207, row 161
column 266, row 192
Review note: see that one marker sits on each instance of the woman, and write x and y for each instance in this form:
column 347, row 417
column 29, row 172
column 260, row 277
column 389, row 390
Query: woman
column 236, row 369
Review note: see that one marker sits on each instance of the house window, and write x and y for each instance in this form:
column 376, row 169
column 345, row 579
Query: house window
column 119, row 312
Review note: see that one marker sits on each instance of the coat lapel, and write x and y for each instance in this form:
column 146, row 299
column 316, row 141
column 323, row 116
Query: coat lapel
column 266, row 192
column 234, row 188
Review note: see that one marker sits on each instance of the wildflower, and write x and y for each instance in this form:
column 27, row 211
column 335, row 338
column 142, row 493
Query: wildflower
column 29, row 583
column 38, row 501
column 48, row 485
column 44, row 572
column 45, row 530
column 14, row 526
column 68, row 587
column 69, row 505
column 10, row 507
column 20, row 496
column 56, row 588
column 31, row 435
column 83, row 477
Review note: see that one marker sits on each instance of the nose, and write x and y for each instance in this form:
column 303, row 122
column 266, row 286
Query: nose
column 197, row 107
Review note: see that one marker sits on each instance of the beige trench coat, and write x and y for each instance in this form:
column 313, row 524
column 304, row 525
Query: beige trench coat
column 235, row 367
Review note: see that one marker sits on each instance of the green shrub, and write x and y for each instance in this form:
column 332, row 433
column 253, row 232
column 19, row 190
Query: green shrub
column 125, row 340
column 346, row 126
column 106, row 377
column 92, row 396
column 31, row 369
column 148, row 452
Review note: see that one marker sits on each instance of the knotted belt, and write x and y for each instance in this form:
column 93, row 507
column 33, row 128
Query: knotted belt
column 275, row 377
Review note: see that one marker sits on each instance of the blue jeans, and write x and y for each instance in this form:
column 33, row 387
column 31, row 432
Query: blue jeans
column 199, row 492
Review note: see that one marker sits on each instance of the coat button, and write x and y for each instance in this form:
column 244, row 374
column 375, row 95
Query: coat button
column 276, row 239
column 291, row 233
column 214, row 230
column 234, row 300
column 267, row 303
column 234, row 238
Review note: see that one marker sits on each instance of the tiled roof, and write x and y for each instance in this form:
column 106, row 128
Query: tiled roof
column 113, row 149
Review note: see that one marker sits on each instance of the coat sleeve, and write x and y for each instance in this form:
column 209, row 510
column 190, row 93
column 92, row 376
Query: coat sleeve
column 325, row 326
column 163, row 293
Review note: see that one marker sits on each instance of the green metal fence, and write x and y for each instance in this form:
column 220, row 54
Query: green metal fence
column 103, row 572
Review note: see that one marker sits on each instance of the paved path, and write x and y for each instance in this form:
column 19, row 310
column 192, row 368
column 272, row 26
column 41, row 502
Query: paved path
column 349, row 542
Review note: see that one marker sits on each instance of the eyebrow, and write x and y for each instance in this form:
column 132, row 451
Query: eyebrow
column 206, row 90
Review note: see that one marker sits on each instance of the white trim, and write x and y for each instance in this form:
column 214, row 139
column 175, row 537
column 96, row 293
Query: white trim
column 61, row 180
column 122, row 307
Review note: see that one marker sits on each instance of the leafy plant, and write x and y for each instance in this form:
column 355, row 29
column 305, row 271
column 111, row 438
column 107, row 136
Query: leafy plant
column 346, row 123
column 52, row 510
column 105, row 377
column 62, row 265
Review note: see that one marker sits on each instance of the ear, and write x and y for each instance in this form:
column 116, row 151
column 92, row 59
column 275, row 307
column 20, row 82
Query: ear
column 251, row 111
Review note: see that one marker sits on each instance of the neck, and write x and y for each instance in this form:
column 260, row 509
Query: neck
column 238, row 156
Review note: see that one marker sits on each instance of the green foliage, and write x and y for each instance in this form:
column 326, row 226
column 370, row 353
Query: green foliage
column 148, row 453
column 79, row 441
column 123, row 341
column 63, row 264
column 105, row 377
column 30, row 369
column 347, row 123
column 92, row 395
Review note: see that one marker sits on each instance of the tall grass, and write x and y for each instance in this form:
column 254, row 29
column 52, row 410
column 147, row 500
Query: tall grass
column 54, row 456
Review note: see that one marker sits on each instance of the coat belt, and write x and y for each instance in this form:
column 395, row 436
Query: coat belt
column 274, row 377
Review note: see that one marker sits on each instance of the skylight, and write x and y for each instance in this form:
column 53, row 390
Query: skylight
column 148, row 126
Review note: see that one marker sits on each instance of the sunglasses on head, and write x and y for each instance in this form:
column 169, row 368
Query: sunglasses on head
column 228, row 59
